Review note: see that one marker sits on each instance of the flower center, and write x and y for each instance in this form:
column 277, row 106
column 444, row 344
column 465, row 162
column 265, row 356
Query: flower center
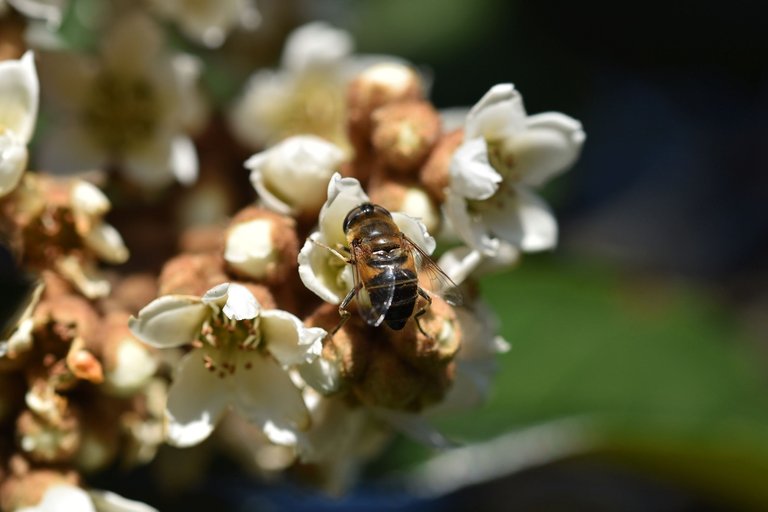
column 502, row 159
column 226, row 342
column 122, row 112
column 497, row 202
column 316, row 106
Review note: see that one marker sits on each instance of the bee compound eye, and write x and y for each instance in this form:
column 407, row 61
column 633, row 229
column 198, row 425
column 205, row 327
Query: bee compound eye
column 353, row 213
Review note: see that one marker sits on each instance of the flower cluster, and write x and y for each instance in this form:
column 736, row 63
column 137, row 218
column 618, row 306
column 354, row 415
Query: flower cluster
column 248, row 316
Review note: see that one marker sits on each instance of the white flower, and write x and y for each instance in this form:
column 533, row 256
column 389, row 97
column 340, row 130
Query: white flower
column 209, row 21
column 504, row 155
column 306, row 94
column 341, row 440
column 132, row 106
column 239, row 361
column 68, row 498
column 291, row 176
column 325, row 273
column 19, row 96
column 314, row 45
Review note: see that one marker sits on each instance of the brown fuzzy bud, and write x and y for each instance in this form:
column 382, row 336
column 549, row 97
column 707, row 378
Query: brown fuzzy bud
column 435, row 175
column 436, row 350
column 262, row 245
column 201, row 239
column 64, row 318
column 25, row 486
column 404, row 134
column 349, row 347
column 192, row 274
column 389, row 382
column 377, row 86
column 131, row 293
column 409, row 198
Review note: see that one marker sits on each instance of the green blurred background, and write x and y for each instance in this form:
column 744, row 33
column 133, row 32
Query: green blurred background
column 639, row 346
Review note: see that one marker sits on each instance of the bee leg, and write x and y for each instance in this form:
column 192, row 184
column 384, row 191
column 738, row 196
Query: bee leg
column 332, row 250
column 343, row 311
column 421, row 312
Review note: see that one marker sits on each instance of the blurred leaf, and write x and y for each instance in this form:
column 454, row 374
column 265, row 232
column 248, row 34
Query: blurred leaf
column 666, row 379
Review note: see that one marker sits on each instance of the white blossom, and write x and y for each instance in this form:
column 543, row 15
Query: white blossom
column 505, row 154
column 290, row 177
column 209, row 21
column 133, row 105
column 239, row 360
column 19, row 97
column 306, row 94
column 323, row 272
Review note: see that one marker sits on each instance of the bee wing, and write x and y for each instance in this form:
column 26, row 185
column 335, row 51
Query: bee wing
column 374, row 298
column 440, row 283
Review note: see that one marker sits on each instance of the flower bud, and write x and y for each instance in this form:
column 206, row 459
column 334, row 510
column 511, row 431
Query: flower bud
column 437, row 349
column 404, row 134
column 128, row 363
column 292, row 176
column 376, row 86
column 262, row 245
column 191, row 274
column 434, row 174
column 410, row 199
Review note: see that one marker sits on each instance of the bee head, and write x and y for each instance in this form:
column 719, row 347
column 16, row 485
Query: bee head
column 362, row 212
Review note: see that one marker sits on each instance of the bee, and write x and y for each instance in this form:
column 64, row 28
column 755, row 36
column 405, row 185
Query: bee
column 386, row 267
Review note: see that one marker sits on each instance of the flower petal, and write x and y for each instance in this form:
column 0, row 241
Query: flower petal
column 343, row 195
column 250, row 247
column 19, row 96
column 416, row 231
column 86, row 198
column 62, row 498
column 288, row 340
column 323, row 272
column 107, row 501
column 498, row 115
column 315, row 44
column 321, row 375
column 235, row 301
column 49, row 10
column 241, row 304
column 470, row 228
column 170, row 321
column 525, row 221
column 461, row 262
column 471, row 174
column 296, row 170
column 266, row 395
column 184, row 165
column 13, row 161
column 107, row 243
column 196, row 400
column 549, row 146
